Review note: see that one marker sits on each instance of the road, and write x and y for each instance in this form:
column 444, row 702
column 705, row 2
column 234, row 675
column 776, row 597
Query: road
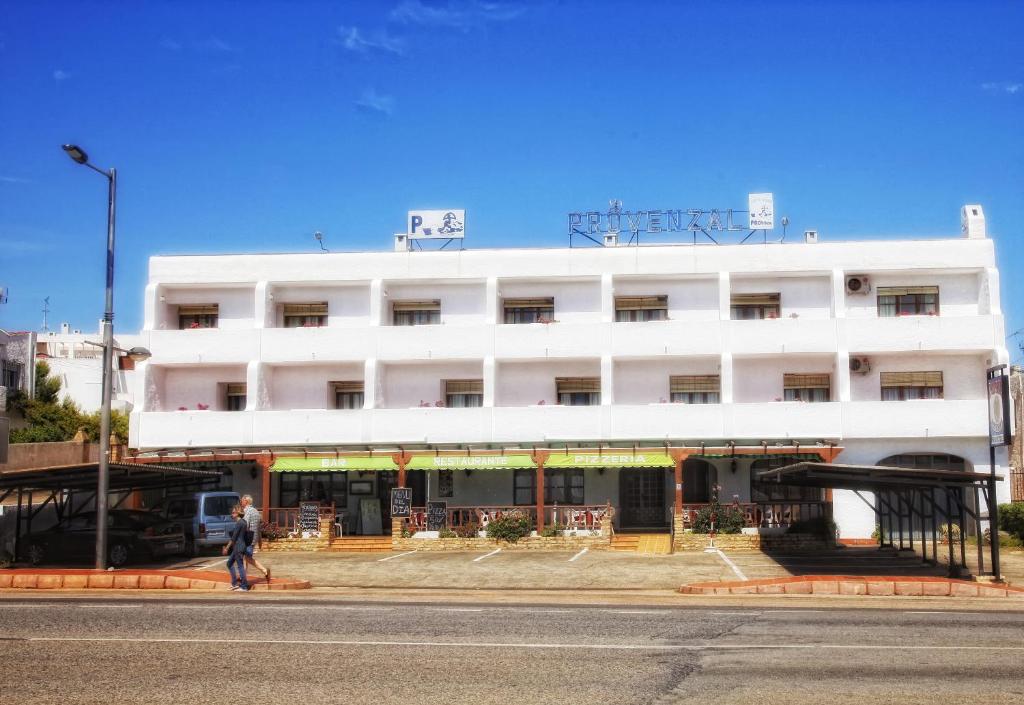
column 319, row 650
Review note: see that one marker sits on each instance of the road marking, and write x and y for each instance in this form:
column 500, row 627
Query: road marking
column 527, row 645
column 455, row 609
column 728, row 562
column 741, row 614
column 578, row 555
column 497, row 550
column 391, row 558
column 210, row 565
column 638, row 611
column 793, row 611
column 961, row 614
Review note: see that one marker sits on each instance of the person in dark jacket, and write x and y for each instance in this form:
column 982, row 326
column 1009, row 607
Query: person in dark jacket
column 235, row 550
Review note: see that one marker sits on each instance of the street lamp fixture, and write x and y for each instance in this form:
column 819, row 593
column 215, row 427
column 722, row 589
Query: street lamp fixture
column 78, row 155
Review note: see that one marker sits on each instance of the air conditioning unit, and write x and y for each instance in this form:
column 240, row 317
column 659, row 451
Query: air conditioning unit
column 860, row 365
column 858, row 284
column 810, row 236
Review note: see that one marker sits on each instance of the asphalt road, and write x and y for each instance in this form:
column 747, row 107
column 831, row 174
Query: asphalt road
column 320, row 650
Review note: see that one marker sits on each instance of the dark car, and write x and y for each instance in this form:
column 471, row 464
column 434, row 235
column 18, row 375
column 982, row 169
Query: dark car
column 132, row 536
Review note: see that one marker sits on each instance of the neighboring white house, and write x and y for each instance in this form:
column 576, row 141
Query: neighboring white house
column 76, row 358
column 879, row 347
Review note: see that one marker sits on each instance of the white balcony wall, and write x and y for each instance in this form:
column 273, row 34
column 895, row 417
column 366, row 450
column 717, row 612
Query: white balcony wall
column 924, row 418
column 806, row 296
column 550, row 423
column 666, row 421
column 891, row 334
column 347, row 306
column 310, row 426
column 190, row 385
column 760, row 379
column 236, row 305
column 963, row 376
column 314, row 345
column 529, row 383
column 407, row 385
column 647, row 381
column 783, row 419
column 575, row 301
column 544, row 340
column 193, row 429
column 688, row 299
column 462, row 304
column 958, row 292
column 429, row 342
column 205, row 345
column 308, row 386
column 782, row 335
column 430, row 425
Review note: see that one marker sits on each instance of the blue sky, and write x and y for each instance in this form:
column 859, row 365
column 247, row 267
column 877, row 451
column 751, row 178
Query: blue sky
column 245, row 127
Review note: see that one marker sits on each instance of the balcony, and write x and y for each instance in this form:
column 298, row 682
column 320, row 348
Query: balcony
column 780, row 335
column 205, row 345
column 902, row 333
column 923, row 418
column 783, row 419
column 190, row 429
column 541, row 340
column 319, row 344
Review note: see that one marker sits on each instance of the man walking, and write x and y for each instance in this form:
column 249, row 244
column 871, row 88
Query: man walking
column 252, row 521
column 235, row 550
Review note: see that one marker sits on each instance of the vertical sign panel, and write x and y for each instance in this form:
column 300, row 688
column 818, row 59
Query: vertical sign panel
column 998, row 408
column 762, row 211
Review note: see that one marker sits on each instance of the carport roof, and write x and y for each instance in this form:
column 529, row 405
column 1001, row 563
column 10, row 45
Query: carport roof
column 869, row 477
column 123, row 477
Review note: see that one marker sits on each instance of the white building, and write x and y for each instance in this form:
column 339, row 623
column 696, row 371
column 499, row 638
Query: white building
column 877, row 347
column 76, row 358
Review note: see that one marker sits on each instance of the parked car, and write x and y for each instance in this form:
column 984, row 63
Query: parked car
column 206, row 517
column 132, row 536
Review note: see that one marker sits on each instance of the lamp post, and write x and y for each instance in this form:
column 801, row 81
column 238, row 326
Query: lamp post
column 103, row 472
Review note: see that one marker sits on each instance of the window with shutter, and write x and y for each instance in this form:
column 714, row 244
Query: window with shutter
column 235, row 394
column 416, row 313
column 695, row 389
column 197, row 316
column 899, row 386
column 348, row 395
column 311, row 315
column 641, row 308
column 578, row 391
column 908, row 301
column 462, row 393
column 744, row 307
column 535, row 310
column 807, row 387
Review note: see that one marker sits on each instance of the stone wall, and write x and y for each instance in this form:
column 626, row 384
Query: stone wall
column 532, row 543
column 297, row 543
column 752, row 542
column 24, row 456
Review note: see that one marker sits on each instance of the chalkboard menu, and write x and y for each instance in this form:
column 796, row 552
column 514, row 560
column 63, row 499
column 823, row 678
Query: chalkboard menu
column 309, row 516
column 437, row 515
column 401, row 502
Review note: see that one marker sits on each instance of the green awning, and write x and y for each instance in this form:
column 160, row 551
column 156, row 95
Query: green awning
column 378, row 462
column 470, row 462
column 609, row 460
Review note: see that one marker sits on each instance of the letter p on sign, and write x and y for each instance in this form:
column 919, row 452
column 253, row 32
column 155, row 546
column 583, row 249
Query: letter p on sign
column 415, row 222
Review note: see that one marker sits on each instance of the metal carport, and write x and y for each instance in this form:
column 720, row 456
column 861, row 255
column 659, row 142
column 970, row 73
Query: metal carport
column 904, row 494
column 71, row 488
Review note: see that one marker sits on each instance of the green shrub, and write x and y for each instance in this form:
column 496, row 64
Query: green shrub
column 945, row 530
column 728, row 521
column 407, row 532
column 552, row 530
column 446, row 533
column 1011, row 519
column 510, row 527
column 469, row 530
column 823, row 527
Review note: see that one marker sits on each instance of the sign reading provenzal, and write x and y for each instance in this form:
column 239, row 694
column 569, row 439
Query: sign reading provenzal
column 761, row 216
column 436, row 225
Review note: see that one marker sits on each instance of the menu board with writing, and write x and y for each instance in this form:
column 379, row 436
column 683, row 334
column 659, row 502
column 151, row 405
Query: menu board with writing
column 309, row 516
column 437, row 515
column 401, row 502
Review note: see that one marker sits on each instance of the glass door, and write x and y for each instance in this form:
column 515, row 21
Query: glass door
column 642, row 498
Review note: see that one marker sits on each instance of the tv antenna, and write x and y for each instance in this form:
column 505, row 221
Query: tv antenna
column 1019, row 334
column 319, row 237
column 46, row 310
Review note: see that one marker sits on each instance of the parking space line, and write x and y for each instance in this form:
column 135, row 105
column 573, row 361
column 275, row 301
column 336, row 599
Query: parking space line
column 578, row 555
column 381, row 560
column 728, row 562
column 480, row 558
column 210, row 565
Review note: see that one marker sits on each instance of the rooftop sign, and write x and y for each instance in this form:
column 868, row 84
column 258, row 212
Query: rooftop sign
column 436, row 225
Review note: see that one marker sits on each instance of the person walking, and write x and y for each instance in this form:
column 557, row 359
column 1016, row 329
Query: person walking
column 235, row 550
column 252, row 521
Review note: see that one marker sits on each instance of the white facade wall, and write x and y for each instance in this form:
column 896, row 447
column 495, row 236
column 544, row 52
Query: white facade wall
column 819, row 329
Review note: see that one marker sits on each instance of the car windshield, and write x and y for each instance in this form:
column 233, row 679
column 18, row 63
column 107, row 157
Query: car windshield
column 219, row 506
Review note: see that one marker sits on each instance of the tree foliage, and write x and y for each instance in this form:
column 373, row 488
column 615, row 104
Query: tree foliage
column 51, row 419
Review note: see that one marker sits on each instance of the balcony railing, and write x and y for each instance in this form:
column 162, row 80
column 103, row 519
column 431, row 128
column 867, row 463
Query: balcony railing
column 575, row 517
column 766, row 514
column 286, row 519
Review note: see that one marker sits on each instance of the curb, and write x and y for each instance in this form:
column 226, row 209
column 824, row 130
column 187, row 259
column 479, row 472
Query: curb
column 883, row 586
column 84, row 579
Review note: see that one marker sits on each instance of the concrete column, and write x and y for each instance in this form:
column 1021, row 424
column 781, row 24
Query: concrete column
column 725, row 378
column 607, row 380
column 843, row 375
column 607, row 298
column 492, row 302
column 151, row 307
column 724, row 296
column 257, row 386
column 263, row 311
column 378, row 303
column 370, row 384
column 490, row 380
column 838, row 293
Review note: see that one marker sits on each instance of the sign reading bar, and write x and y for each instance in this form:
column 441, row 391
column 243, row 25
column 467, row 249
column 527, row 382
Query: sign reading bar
column 437, row 515
column 378, row 462
column 998, row 407
column 436, row 225
column 470, row 462
column 401, row 502
column 610, row 460
column 309, row 516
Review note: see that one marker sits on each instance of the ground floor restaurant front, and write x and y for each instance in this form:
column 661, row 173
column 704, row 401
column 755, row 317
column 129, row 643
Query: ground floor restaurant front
column 573, row 490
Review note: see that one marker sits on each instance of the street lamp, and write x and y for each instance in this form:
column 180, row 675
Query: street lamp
column 79, row 156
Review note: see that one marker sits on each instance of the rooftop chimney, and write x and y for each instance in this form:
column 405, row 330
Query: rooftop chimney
column 972, row 222
column 401, row 242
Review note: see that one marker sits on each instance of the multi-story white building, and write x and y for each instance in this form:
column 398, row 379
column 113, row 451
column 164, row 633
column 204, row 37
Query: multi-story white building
column 76, row 358
column 875, row 347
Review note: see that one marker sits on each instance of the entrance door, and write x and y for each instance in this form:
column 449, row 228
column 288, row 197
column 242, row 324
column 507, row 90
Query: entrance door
column 642, row 498
column 416, row 480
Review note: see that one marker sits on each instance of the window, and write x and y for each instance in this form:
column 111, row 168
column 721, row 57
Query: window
column 326, row 487
column 560, row 487
column 11, row 375
column 219, row 505
column 746, row 307
column 578, row 391
column 305, row 315
column 416, row 313
column 898, row 386
column 908, row 301
column 235, row 393
column 529, row 310
column 801, row 387
column 197, row 316
column 927, row 461
column 348, row 395
column 694, row 389
column 641, row 308
column 773, row 491
column 462, row 393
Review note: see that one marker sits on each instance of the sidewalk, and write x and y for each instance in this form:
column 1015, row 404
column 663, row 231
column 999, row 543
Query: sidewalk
column 132, row 579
